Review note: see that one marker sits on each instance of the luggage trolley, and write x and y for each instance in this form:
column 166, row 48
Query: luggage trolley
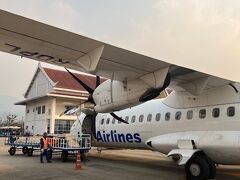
column 69, row 145
column 27, row 144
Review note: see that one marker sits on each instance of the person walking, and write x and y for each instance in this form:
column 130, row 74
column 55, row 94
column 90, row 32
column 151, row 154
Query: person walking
column 44, row 145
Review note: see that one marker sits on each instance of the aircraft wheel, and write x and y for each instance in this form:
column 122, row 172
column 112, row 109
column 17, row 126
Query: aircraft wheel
column 64, row 156
column 25, row 150
column 12, row 151
column 197, row 168
column 211, row 165
column 30, row 151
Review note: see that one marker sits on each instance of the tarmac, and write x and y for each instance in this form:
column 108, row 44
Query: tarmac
column 109, row 164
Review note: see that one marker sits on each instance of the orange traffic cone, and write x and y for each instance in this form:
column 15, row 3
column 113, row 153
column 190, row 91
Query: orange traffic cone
column 78, row 161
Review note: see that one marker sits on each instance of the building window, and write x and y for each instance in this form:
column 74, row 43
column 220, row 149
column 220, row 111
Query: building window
column 141, row 118
column 38, row 109
column 149, row 117
column 27, row 111
column 26, row 128
column 216, row 112
column 133, row 119
column 43, row 109
column 167, row 116
column 102, row 121
column 158, row 117
column 49, row 111
column 63, row 126
column 32, row 127
column 178, row 115
column 231, row 111
column 108, row 120
column 190, row 114
column 113, row 120
column 48, row 126
column 202, row 113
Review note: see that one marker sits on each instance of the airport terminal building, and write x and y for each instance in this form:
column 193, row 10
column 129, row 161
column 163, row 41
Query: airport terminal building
column 49, row 94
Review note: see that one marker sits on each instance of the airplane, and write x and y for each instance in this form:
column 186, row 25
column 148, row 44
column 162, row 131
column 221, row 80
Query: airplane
column 197, row 124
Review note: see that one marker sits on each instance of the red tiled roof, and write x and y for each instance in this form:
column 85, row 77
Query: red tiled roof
column 66, row 81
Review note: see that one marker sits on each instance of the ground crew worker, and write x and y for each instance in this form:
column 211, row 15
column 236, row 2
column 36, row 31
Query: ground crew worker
column 44, row 145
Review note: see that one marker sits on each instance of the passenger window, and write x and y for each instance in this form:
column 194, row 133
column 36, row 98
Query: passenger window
column 133, row 119
column 108, row 120
column 167, row 116
column 113, row 120
column 231, row 111
column 158, row 117
column 216, row 112
column 141, row 118
column 149, row 118
column 102, row 121
column 126, row 118
column 190, row 114
column 119, row 121
column 202, row 113
column 178, row 115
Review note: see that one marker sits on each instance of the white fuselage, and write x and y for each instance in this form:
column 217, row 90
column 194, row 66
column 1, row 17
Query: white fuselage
column 211, row 120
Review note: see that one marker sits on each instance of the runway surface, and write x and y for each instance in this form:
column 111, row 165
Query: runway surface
column 109, row 164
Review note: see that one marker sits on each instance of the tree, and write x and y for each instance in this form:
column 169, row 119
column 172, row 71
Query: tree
column 8, row 119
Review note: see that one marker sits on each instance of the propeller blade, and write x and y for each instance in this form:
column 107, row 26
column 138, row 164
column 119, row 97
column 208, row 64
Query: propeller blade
column 98, row 82
column 118, row 118
column 73, row 110
column 85, row 86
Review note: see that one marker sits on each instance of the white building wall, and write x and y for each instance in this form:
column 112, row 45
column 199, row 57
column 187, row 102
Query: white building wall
column 41, row 86
column 38, row 123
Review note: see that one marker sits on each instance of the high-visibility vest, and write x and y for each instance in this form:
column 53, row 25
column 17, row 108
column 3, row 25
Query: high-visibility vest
column 45, row 143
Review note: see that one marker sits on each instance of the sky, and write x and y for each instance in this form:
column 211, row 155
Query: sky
column 200, row 34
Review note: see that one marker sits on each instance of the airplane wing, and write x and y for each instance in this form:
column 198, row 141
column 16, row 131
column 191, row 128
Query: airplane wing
column 31, row 39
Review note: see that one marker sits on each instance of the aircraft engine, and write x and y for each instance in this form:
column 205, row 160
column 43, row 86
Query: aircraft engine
column 114, row 95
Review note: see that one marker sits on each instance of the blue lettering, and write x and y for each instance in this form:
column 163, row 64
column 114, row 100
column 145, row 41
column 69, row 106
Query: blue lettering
column 137, row 138
column 121, row 138
column 113, row 136
column 129, row 138
column 99, row 136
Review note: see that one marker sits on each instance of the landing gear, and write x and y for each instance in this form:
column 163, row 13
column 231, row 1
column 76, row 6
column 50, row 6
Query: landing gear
column 200, row 168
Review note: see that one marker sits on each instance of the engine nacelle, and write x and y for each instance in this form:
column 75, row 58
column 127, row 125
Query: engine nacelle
column 114, row 95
